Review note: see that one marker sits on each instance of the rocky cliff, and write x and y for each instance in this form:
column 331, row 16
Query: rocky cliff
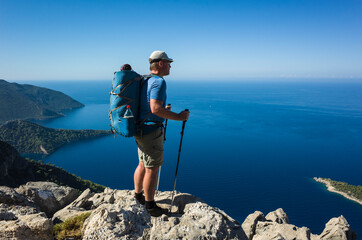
column 29, row 212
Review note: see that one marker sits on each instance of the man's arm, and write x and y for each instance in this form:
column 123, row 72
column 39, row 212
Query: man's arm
column 159, row 110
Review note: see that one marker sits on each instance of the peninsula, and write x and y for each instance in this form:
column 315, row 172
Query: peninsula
column 351, row 192
column 24, row 101
column 31, row 138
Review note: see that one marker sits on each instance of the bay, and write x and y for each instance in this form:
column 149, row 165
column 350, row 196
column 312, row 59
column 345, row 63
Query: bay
column 247, row 146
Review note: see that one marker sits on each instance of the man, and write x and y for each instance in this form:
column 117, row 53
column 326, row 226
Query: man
column 150, row 140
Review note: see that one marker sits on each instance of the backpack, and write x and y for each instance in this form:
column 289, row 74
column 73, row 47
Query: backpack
column 125, row 102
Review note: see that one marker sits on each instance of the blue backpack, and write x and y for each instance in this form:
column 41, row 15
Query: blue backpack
column 125, row 102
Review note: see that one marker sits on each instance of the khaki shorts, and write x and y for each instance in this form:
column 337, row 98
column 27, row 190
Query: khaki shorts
column 150, row 148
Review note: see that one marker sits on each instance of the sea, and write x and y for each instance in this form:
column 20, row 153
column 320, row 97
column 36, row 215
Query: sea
column 248, row 145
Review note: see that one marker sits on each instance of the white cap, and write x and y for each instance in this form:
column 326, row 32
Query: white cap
column 159, row 55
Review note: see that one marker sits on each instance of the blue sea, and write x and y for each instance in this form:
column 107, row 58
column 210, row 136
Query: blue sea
column 248, row 145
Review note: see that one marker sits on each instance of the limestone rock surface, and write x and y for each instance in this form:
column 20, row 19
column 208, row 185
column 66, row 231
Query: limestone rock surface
column 125, row 219
column 249, row 225
column 116, row 215
column 77, row 207
column 10, row 196
column 278, row 216
column 338, row 228
column 49, row 196
column 275, row 226
column 24, row 223
column 274, row 230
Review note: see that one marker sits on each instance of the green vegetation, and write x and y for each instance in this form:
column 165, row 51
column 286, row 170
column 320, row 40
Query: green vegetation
column 71, row 228
column 28, row 137
column 351, row 190
column 48, row 172
column 23, row 101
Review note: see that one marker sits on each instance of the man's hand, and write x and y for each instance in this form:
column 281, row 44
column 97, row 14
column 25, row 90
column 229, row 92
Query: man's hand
column 159, row 110
column 184, row 115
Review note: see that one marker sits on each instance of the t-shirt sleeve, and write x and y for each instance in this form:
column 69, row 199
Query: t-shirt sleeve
column 158, row 90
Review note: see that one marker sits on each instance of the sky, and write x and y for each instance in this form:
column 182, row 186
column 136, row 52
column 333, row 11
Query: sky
column 244, row 39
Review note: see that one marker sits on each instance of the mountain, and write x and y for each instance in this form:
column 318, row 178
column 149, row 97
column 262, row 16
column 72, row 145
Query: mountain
column 16, row 170
column 24, row 101
column 31, row 138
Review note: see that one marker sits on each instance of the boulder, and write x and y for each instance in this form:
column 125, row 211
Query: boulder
column 11, row 197
column 101, row 198
column 49, row 196
column 278, row 216
column 274, row 230
column 24, row 223
column 77, row 207
column 337, row 228
column 117, row 221
column 250, row 223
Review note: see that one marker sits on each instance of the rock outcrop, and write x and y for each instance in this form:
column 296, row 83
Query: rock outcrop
column 116, row 215
column 125, row 219
column 77, row 207
column 338, row 228
column 49, row 196
column 20, row 217
column 275, row 226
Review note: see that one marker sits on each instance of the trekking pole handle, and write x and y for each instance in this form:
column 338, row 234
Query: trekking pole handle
column 183, row 125
column 164, row 134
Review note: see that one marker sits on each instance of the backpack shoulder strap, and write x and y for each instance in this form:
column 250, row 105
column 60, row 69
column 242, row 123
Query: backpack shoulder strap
column 145, row 78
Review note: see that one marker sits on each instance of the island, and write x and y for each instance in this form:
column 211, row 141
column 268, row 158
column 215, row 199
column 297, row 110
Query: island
column 27, row 102
column 351, row 192
column 31, row 138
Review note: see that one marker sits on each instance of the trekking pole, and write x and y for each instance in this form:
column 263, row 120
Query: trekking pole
column 164, row 134
column 178, row 160
column 159, row 171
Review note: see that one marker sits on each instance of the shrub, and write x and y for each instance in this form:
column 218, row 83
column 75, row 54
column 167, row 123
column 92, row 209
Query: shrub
column 70, row 228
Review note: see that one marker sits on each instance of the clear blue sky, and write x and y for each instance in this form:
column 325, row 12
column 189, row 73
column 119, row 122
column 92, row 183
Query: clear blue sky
column 89, row 40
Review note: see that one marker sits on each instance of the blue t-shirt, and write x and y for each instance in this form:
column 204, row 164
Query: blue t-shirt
column 156, row 89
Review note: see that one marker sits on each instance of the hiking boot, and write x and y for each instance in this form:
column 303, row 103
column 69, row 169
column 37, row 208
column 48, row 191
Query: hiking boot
column 140, row 199
column 156, row 211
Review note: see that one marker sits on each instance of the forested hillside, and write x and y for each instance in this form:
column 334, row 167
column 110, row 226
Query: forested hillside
column 23, row 101
column 28, row 137
column 16, row 170
column 351, row 190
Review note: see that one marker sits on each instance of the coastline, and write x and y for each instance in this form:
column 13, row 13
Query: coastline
column 332, row 189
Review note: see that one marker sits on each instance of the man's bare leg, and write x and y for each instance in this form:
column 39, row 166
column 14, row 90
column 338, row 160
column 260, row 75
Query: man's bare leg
column 138, row 177
column 150, row 183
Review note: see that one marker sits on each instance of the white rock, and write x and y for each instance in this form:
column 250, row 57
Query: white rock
column 250, row 223
column 278, row 216
column 338, row 229
column 49, row 196
column 273, row 230
column 27, row 224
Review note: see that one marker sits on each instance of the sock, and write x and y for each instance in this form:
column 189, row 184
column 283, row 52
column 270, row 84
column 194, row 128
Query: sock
column 150, row 204
column 139, row 195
